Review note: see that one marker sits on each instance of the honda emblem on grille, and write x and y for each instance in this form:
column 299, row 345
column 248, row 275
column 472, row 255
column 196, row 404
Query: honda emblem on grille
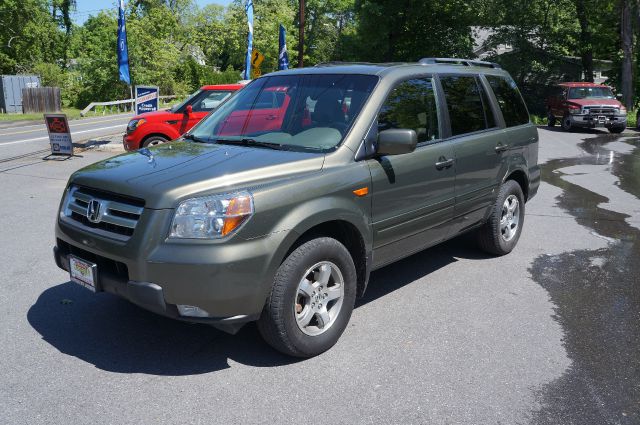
column 93, row 211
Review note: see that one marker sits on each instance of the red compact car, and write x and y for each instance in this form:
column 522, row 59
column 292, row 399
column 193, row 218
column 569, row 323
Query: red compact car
column 157, row 127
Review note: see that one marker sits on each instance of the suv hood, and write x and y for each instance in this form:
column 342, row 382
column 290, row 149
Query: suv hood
column 176, row 171
column 590, row 102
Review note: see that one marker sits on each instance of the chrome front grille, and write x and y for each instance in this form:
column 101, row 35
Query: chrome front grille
column 600, row 110
column 103, row 213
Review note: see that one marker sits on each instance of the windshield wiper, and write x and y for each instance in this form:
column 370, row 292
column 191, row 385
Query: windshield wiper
column 194, row 138
column 250, row 142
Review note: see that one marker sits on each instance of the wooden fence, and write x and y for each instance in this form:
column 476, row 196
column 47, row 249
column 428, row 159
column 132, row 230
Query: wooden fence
column 41, row 99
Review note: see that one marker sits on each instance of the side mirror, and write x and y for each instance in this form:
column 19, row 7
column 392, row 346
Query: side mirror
column 396, row 141
column 618, row 95
column 188, row 110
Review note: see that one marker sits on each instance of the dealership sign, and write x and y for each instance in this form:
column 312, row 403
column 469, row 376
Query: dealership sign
column 146, row 99
column 59, row 134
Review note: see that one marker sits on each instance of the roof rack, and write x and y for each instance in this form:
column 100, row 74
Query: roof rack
column 455, row 61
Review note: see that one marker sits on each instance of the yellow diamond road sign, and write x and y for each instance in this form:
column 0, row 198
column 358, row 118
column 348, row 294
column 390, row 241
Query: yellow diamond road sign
column 256, row 59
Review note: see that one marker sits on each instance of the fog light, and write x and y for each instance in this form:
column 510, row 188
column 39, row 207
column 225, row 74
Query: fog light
column 191, row 311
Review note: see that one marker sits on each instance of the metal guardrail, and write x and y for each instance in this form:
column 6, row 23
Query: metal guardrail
column 120, row 105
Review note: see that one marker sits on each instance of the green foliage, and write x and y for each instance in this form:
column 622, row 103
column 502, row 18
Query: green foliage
column 406, row 30
column 180, row 46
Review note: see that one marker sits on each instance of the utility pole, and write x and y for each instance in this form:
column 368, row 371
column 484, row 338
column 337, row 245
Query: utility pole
column 301, row 35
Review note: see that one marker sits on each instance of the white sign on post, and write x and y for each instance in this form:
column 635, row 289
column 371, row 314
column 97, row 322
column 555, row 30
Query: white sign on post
column 59, row 134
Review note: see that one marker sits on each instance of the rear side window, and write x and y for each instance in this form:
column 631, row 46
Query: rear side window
column 513, row 108
column 467, row 103
column 411, row 105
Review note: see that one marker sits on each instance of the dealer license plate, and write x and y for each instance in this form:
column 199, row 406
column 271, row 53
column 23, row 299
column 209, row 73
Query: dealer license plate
column 83, row 272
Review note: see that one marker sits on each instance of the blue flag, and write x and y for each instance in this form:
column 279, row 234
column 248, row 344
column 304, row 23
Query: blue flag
column 247, row 66
column 283, row 56
column 123, row 50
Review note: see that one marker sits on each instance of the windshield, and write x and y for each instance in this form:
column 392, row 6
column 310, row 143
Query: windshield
column 295, row 112
column 590, row 93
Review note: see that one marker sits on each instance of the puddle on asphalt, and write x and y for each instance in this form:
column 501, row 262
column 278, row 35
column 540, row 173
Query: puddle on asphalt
column 597, row 299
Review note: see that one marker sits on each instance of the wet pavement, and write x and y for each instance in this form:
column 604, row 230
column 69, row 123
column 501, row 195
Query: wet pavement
column 596, row 292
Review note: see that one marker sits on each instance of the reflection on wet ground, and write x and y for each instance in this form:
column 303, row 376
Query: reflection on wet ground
column 597, row 297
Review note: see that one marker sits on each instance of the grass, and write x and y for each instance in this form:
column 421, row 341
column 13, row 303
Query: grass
column 73, row 113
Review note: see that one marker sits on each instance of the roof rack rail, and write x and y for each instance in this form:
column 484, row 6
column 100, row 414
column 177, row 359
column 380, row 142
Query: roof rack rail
column 456, row 61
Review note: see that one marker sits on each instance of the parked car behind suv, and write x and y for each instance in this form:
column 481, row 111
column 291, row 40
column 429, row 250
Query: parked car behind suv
column 367, row 165
column 586, row 105
column 153, row 128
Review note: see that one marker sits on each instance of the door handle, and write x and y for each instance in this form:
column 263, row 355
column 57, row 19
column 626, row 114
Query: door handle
column 501, row 148
column 271, row 118
column 444, row 163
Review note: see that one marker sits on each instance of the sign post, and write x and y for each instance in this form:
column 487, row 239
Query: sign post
column 146, row 99
column 59, row 134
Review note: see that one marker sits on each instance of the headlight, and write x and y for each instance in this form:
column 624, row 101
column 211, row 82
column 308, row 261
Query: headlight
column 211, row 217
column 133, row 124
column 574, row 111
column 623, row 110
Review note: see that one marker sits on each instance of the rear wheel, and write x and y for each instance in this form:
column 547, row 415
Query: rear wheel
column 551, row 119
column 154, row 140
column 311, row 300
column 500, row 234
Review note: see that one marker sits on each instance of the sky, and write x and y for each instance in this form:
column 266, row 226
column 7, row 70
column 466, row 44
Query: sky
column 85, row 8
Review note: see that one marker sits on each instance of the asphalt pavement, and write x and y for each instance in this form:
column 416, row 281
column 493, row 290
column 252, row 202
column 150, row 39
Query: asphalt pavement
column 26, row 138
column 549, row 334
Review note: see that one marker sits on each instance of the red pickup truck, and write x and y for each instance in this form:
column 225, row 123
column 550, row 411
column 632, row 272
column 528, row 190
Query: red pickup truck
column 586, row 105
column 157, row 127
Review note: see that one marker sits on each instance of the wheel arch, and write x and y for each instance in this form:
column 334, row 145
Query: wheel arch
column 345, row 228
column 519, row 176
column 154, row 134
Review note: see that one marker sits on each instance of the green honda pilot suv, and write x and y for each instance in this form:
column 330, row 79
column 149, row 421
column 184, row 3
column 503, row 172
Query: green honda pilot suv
column 281, row 218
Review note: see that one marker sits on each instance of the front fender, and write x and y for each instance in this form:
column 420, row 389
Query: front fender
column 157, row 128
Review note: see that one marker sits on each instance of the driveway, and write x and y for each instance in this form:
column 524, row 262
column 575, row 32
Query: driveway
column 549, row 334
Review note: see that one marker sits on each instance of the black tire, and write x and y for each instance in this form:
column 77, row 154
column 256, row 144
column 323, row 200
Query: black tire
column 154, row 140
column 551, row 120
column 278, row 325
column 490, row 235
column 616, row 130
column 566, row 123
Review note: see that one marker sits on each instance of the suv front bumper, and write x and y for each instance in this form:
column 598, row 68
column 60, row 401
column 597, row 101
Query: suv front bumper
column 229, row 280
column 593, row 121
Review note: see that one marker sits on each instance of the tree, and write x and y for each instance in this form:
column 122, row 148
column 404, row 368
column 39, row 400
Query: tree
column 406, row 30
column 28, row 35
column 626, row 37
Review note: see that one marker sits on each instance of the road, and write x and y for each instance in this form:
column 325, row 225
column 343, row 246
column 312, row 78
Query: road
column 549, row 334
column 27, row 138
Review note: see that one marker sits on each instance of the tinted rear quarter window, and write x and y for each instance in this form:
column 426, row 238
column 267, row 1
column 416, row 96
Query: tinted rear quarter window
column 513, row 108
column 467, row 103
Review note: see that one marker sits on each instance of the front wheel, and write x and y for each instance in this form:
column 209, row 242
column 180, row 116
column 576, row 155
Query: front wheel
column 312, row 298
column 616, row 130
column 154, row 140
column 566, row 123
column 500, row 234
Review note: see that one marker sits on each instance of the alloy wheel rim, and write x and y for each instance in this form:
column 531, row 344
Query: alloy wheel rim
column 510, row 218
column 319, row 298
